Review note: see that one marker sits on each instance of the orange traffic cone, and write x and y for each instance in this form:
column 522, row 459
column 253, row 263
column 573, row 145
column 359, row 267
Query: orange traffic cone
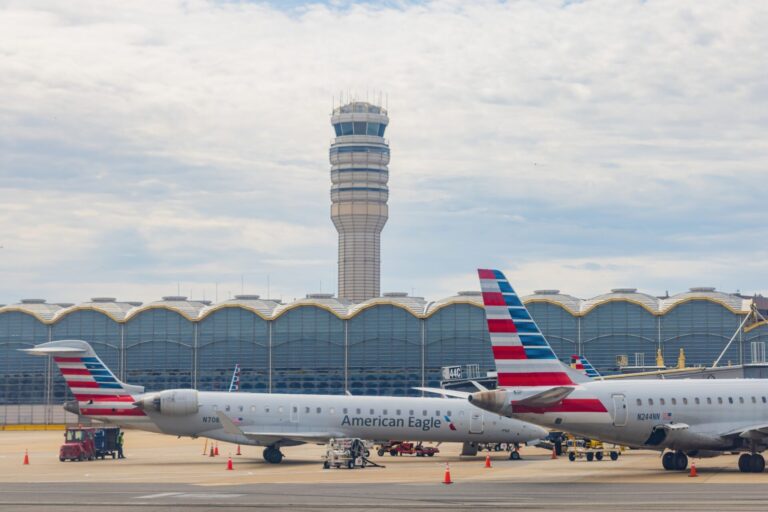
column 238, row 450
column 554, row 453
column 693, row 469
column 488, row 461
column 26, row 458
column 229, row 464
column 212, row 454
column 447, row 477
column 216, row 450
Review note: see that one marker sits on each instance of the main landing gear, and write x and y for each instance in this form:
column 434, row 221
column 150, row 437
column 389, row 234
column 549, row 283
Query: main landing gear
column 674, row 461
column 751, row 463
column 273, row 455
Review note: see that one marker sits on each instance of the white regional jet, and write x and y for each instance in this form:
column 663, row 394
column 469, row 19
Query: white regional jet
column 273, row 420
column 698, row 418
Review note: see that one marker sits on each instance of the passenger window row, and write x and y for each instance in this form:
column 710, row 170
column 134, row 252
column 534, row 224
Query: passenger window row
column 345, row 410
column 698, row 401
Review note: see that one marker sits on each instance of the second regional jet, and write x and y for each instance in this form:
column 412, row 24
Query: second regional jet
column 273, row 420
column 698, row 418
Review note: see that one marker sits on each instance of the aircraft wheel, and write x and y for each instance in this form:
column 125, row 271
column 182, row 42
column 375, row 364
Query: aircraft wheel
column 614, row 455
column 599, row 455
column 273, row 455
column 571, row 456
column 590, row 456
column 681, row 461
column 756, row 463
column 744, row 462
column 668, row 461
column 380, row 452
column 514, row 455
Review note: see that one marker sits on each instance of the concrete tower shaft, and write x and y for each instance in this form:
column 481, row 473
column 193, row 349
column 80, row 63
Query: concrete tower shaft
column 359, row 157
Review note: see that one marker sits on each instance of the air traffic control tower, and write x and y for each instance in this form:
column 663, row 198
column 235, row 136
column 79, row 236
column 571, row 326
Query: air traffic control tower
column 359, row 156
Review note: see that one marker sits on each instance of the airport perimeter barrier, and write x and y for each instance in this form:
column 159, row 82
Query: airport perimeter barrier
column 15, row 417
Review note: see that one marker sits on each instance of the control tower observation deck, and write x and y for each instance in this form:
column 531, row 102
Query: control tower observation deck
column 359, row 157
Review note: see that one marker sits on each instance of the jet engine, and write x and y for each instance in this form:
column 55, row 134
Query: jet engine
column 173, row 402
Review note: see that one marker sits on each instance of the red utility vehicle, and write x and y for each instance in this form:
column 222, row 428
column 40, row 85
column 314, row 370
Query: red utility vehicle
column 89, row 443
column 78, row 444
column 396, row 448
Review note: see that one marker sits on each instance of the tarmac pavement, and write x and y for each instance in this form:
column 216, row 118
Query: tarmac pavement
column 163, row 471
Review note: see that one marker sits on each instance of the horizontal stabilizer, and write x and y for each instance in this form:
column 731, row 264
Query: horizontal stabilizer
column 445, row 392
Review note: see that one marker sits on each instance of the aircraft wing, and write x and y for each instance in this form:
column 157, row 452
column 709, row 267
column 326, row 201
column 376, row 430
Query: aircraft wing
column 264, row 437
column 749, row 432
column 445, row 392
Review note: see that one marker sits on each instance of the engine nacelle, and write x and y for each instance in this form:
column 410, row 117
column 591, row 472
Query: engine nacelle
column 173, row 402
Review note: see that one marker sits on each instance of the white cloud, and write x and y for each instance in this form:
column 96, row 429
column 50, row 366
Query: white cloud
column 200, row 131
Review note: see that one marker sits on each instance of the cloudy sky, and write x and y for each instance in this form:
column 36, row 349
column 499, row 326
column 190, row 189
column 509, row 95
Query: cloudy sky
column 150, row 146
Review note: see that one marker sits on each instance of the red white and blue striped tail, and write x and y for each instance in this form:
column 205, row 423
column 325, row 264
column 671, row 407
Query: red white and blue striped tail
column 523, row 355
column 98, row 392
column 581, row 364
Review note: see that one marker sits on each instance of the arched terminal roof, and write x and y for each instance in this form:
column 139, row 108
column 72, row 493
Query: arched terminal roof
column 472, row 297
column 178, row 303
column 654, row 305
column 195, row 310
column 35, row 307
column 415, row 305
column 263, row 307
column 118, row 311
column 631, row 295
column 568, row 302
column 322, row 300
column 734, row 302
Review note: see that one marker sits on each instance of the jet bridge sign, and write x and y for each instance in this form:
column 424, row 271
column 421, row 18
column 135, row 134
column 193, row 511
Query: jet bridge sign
column 451, row 372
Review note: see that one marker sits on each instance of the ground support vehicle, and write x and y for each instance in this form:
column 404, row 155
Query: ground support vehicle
column 591, row 450
column 89, row 443
column 105, row 441
column 396, row 448
column 347, row 453
column 512, row 448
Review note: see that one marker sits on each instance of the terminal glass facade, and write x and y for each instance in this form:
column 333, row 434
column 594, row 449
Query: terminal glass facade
column 381, row 349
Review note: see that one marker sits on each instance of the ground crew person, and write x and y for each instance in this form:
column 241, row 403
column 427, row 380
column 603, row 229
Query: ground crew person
column 120, row 446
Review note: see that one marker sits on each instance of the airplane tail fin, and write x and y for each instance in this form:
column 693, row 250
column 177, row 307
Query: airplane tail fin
column 581, row 364
column 523, row 356
column 96, row 389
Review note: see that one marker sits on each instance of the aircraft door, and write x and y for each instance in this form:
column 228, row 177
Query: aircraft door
column 294, row 413
column 620, row 411
column 476, row 423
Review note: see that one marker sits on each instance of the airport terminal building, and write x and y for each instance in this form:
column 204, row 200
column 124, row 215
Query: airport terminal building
column 382, row 346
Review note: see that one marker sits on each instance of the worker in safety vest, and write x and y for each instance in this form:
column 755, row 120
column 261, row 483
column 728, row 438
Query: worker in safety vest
column 120, row 446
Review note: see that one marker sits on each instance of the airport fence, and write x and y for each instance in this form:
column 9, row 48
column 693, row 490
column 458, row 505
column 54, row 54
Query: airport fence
column 13, row 415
